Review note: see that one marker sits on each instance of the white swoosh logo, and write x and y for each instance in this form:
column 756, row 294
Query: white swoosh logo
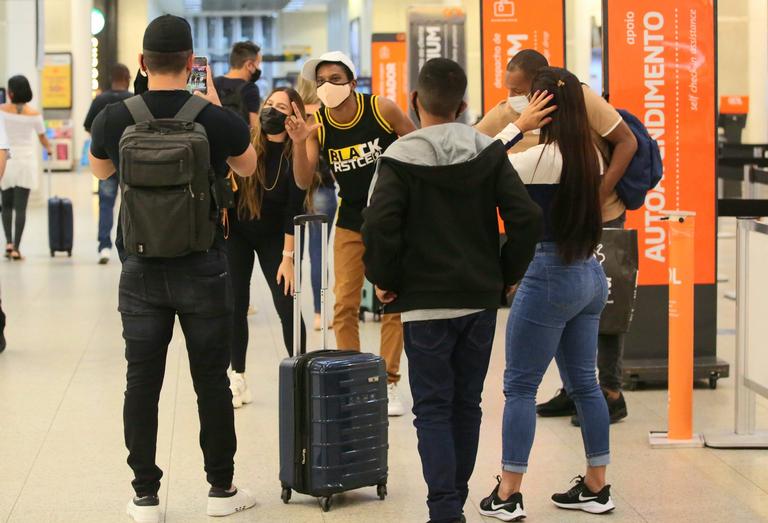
column 494, row 506
column 582, row 498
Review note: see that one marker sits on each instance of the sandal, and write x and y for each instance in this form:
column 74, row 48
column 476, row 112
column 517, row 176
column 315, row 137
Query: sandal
column 16, row 256
column 8, row 250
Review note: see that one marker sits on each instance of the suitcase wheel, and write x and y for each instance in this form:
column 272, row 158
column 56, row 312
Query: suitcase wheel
column 381, row 490
column 53, row 254
column 325, row 503
column 69, row 254
column 286, row 495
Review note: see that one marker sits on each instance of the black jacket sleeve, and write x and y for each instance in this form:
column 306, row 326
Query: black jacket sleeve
column 522, row 219
column 382, row 229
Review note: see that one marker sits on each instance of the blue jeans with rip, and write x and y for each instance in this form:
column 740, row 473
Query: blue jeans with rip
column 324, row 202
column 555, row 314
column 447, row 362
column 107, row 195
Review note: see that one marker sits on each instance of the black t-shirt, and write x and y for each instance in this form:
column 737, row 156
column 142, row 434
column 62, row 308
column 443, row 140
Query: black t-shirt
column 281, row 203
column 227, row 134
column 249, row 92
column 100, row 102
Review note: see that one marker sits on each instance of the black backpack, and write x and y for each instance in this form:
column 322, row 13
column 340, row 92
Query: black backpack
column 166, row 181
column 232, row 99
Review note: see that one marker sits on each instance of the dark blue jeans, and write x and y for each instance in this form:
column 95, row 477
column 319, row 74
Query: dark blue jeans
column 324, row 202
column 556, row 314
column 447, row 362
column 198, row 290
column 107, row 195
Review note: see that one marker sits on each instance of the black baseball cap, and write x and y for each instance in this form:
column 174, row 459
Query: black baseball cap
column 168, row 34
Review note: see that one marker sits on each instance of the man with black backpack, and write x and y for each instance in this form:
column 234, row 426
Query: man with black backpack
column 170, row 148
column 237, row 89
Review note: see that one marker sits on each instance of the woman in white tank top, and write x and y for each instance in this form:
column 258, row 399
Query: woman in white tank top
column 25, row 128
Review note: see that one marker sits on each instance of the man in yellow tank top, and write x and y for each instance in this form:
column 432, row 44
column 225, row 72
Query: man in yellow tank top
column 351, row 131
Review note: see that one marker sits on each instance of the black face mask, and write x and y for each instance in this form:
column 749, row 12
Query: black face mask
column 272, row 120
column 256, row 75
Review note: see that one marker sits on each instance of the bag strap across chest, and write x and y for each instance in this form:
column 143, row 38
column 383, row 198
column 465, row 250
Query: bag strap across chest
column 189, row 111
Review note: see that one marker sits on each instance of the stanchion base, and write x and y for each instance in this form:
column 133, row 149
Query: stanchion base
column 731, row 440
column 659, row 440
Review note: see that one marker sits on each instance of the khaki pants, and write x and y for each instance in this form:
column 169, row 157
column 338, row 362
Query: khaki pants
column 349, row 272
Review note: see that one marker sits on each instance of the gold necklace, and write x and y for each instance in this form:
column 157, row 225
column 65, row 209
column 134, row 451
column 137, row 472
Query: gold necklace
column 277, row 178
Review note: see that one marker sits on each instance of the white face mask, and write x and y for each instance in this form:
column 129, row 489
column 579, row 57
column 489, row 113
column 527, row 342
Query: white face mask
column 333, row 95
column 518, row 103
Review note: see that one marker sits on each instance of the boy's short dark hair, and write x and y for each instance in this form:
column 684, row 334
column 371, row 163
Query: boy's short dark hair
column 441, row 87
column 120, row 74
column 242, row 52
column 346, row 69
column 21, row 92
column 529, row 62
column 166, row 63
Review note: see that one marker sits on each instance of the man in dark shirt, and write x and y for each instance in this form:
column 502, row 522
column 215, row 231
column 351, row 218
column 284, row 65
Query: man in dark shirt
column 121, row 79
column 196, row 287
column 237, row 89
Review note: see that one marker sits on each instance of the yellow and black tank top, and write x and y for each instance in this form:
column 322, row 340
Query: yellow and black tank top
column 351, row 150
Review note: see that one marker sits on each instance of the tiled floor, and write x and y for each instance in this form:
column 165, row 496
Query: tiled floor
column 62, row 458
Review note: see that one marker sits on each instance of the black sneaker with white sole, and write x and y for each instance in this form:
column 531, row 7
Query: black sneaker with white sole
column 510, row 509
column 144, row 509
column 581, row 498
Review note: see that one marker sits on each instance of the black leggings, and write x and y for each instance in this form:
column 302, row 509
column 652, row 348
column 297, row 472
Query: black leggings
column 241, row 248
column 15, row 199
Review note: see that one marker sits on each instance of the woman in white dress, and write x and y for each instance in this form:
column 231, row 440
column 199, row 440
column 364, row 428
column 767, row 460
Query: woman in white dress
column 25, row 128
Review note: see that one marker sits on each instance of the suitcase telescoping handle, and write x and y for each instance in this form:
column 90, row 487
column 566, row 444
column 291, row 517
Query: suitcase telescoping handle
column 298, row 228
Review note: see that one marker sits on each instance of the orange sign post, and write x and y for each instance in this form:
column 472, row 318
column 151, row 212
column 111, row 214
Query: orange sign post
column 507, row 27
column 389, row 73
column 681, row 246
column 660, row 65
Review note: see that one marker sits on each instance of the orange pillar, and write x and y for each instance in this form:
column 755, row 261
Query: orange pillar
column 681, row 280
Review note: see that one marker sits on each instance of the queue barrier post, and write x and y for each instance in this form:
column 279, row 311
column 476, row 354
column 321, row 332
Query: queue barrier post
column 681, row 254
column 744, row 433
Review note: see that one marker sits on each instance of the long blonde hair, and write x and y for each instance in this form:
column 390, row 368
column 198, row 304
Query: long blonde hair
column 252, row 188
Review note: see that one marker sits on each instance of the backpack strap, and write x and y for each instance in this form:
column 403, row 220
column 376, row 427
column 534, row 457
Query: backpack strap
column 192, row 108
column 138, row 109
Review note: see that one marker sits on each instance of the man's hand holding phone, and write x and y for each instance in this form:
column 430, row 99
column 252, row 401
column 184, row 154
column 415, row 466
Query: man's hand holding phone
column 210, row 94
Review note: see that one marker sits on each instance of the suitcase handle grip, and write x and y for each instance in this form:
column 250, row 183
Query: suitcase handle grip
column 298, row 227
column 310, row 218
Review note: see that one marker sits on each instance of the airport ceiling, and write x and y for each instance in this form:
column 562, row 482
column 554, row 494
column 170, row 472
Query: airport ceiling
column 245, row 5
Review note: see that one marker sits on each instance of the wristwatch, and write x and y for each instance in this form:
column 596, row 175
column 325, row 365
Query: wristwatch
column 288, row 254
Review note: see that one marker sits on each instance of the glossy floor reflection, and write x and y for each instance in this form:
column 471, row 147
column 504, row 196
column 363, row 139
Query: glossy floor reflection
column 62, row 457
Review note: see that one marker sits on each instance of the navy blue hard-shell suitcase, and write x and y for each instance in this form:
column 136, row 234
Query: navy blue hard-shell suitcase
column 60, row 222
column 333, row 411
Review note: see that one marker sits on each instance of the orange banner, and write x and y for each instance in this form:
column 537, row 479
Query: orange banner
column 682, row 258
column 661, row 67
column 389, row 54
column 509, row 26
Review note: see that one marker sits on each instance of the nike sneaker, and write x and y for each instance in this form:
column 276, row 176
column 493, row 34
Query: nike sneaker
column 581, row 498
column 510, row 509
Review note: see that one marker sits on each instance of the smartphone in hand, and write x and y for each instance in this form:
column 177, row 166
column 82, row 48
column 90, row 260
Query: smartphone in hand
column 198, row 77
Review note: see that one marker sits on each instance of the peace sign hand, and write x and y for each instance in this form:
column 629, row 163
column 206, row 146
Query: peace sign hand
column 297, row 127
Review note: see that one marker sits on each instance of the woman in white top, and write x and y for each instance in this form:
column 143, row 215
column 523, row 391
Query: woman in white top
column 25, row 128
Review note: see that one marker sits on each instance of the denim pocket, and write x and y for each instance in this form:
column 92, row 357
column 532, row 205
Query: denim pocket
column 483, row 329
column 426, row 335
column 565, row 287
column 132, row 295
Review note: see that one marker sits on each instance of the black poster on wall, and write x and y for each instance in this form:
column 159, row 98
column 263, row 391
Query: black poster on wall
column 434, row 32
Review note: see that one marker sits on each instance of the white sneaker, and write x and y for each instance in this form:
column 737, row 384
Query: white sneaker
column 395, row 407
column 221, row 503
column 104, row 256
column 240, row 392
column 144, row 510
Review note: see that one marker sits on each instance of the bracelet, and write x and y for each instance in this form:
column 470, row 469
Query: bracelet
column 288, row 254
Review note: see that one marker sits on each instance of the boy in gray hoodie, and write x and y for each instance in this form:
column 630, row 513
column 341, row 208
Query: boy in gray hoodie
column 432, row 250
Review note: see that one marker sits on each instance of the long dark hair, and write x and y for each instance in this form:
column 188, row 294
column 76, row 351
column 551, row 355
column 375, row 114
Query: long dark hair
column 576, row 216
